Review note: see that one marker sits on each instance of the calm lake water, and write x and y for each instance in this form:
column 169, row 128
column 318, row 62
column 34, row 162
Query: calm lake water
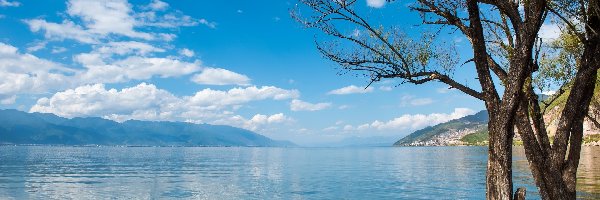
column 41, row 172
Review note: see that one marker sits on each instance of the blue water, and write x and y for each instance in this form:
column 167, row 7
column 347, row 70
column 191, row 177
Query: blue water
column 42, row 172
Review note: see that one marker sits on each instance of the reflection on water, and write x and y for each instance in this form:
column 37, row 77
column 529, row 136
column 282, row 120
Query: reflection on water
column 588, row 176
column 261, row 173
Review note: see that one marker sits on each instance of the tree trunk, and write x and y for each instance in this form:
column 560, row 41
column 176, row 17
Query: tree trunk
column 499, row 169
column 555, row 171
column 556, row 178
column 548, row 181
column 520, row 194
column 499, row 166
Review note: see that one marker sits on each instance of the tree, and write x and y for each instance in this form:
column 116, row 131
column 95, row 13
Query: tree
column 505, row 43
column 554, row 166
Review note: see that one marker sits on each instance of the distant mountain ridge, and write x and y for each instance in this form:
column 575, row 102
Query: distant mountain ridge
column 17, row 127
column 452, row 132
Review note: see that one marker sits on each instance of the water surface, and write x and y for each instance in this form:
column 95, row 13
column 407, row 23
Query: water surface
column 43, row 172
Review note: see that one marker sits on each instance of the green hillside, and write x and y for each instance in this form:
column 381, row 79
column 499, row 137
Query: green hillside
column 429, row 135
column 478, row 138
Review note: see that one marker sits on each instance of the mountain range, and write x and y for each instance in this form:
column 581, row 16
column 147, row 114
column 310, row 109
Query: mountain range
column 467, row 130
column 472, row 130
column 17, row 127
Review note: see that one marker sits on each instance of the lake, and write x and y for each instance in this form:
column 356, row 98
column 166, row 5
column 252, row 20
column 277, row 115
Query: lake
column 45, row 172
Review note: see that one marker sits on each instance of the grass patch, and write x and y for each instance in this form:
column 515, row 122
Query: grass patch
column 517, row 142
column 476, row 138
column 560, row 101
column 591, row 138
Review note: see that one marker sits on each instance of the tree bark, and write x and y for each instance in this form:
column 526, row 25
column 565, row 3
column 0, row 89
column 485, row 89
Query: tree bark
column 499, row 168
column 520, row 194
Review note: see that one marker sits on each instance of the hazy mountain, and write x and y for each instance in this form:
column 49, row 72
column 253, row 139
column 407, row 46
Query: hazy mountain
column 17, row 127
column 453, row 132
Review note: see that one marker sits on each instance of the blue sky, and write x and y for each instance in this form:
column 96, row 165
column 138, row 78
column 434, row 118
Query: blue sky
column 240, row 63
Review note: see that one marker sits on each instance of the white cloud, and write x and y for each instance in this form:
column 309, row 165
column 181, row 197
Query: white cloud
column 259, row 120
column 343, row 107
column 420, row 121
column 443, row 90
column 101, row 65
column 8, row 100
column 127, row 47
column 301, row 131
column 421, row 101
column 458, row 40
column 256, row 123
column 87, row 59
column 549, row 93
column 106, row 17
column 549, row 31
column 407, row 100
column 186, row 52
column 66, row 30
column 206, row 106
column 100, row 18
column 385, row 88
column 170, row 20
column 6, row 3
column 116, row 59
column 37, row 46
column 95, row 100
column 363, row 127
column 356, row 33
column 58, row 50
column 375, row 3
column 158, row 5
column 108, row 27
column 331, row 128
column 28, row 74
column 142, row 68
column 132, row 68
column 411, row 122
column 352, row 89
column 348, row 128
column 207, row 23
column 103, row 19
column 167, row 36
column 298, row 105
column 218, row 76
column 238, row 96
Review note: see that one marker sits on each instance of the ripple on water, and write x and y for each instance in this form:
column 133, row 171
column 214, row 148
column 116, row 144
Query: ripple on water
column 262, row 173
